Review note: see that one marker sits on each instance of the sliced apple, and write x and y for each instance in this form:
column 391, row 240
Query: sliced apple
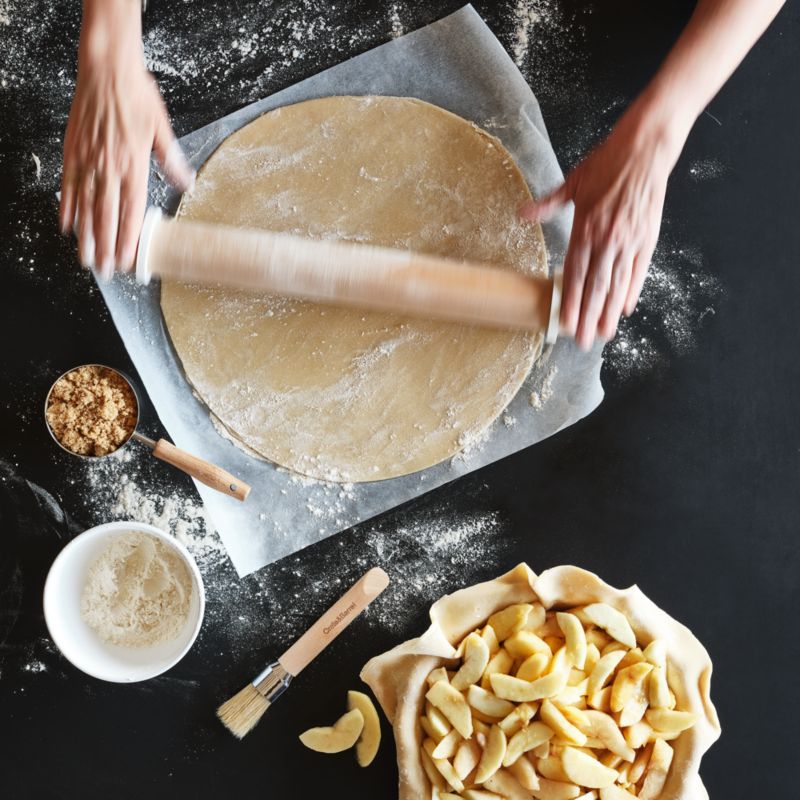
column 493, row 754
column 342, row 735
column 631, row 657
column 480, row 794
column 434, row 776
column 575, row 637
column 438, row 721
column 600, row 639
column 590, row 795
column 507, row 786
column 490, row 637
column 524, row 772
column 603, row 670
column 525, row 643
column 634, row 709
column 664, row 720
column 613, row 622
column 638, row 735
column 592, row 657
column 499, row 664
column 476, row 657
column 655, row 775
column 542, row 751
column 656, row 653
column 526, row 739
column 533, row 667
column 536, row 618
column 563, row 728
column 658, row 689
column 615, row 793
column 602, row 726
column 519, row 691
column 571, row 695
column 556, row 790
column 518, row 718
column 601, row 701
column 552, row 769
column 640, row 764
column 510, row 620
column 466, row 758
column 586, row 771
column 370, row 739
column 436, row 675
column 444, row 767
column 453, row 705
column 447, row 747
column 488, row 704
column 628, row 684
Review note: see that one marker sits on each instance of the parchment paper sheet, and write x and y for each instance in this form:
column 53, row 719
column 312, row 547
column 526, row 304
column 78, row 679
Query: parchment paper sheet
column 458, row 64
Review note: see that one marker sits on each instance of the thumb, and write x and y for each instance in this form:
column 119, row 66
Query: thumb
column 543, row 209
column 169, row 155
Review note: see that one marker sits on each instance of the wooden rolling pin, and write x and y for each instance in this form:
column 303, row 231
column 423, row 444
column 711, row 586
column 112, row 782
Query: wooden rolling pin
column 348, row 274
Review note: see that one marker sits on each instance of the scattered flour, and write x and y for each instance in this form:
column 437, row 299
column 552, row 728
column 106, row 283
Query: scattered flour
column 544, row 391
column 678, row 296
column 397, row 25
column 427, row 552
column 706, row 169
column 114, row 488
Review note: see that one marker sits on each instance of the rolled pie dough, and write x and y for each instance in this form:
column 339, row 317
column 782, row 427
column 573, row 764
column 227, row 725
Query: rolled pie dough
column 340, row 394
column 398, row 677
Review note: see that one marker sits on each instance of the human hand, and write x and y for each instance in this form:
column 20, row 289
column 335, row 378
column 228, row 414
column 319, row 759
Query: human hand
column 117, row 118
column 618, row 191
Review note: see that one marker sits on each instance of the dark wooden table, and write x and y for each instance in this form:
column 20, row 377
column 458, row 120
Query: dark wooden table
column 685, row 480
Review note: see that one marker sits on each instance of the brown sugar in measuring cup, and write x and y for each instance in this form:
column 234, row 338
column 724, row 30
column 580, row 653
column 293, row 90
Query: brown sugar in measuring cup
column 92, row 410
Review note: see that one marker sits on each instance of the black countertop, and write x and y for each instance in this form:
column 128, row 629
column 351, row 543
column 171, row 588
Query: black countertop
column 684, row 481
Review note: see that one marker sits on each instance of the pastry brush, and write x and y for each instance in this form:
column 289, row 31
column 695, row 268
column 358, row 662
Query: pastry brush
column 242, row 712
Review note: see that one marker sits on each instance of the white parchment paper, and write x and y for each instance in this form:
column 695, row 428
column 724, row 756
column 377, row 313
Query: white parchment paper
column 458, row 64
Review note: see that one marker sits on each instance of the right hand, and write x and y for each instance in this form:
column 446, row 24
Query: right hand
column 117, row 118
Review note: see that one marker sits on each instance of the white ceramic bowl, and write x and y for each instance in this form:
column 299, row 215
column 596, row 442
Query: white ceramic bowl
column 79, row 643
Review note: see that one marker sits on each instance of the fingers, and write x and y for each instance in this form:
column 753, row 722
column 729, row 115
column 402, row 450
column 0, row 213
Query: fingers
column 640, row 266
column 168, row 152
column 543, row 209
column 133, row 199
column 576, row 267
column 617, row 296
column 105, row 223
column 595, row 293
column 86, row 243
column 69, row 196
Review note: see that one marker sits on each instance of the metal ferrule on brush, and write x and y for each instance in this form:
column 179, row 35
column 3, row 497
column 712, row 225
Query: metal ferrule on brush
column 272, row 682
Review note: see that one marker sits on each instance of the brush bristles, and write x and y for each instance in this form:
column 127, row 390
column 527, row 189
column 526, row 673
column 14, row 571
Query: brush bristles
column 242, row 712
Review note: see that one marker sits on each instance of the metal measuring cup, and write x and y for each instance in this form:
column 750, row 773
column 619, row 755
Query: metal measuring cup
column 203, row 471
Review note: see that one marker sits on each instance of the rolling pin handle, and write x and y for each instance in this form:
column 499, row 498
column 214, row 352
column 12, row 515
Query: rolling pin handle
column 151, row 219
column 553, row 324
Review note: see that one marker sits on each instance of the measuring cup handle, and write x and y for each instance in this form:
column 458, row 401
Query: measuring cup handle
column 205, row 472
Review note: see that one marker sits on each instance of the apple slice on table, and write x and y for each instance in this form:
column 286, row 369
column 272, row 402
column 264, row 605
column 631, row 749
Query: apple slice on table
column 342, row 735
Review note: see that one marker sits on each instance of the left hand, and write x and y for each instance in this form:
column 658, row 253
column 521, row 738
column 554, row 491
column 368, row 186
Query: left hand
column 618, row 191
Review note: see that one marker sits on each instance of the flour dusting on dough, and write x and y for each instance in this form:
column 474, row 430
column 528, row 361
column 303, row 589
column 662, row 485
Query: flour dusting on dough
column 391, row 395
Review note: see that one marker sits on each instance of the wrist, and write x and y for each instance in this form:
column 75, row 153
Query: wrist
column 661, row 121
column 111, row 34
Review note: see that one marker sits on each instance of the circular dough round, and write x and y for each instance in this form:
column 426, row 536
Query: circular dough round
column 340, row 394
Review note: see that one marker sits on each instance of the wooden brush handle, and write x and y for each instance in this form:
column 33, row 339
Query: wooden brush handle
column 343, row 273
column 205, row 472
column 334, row 621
